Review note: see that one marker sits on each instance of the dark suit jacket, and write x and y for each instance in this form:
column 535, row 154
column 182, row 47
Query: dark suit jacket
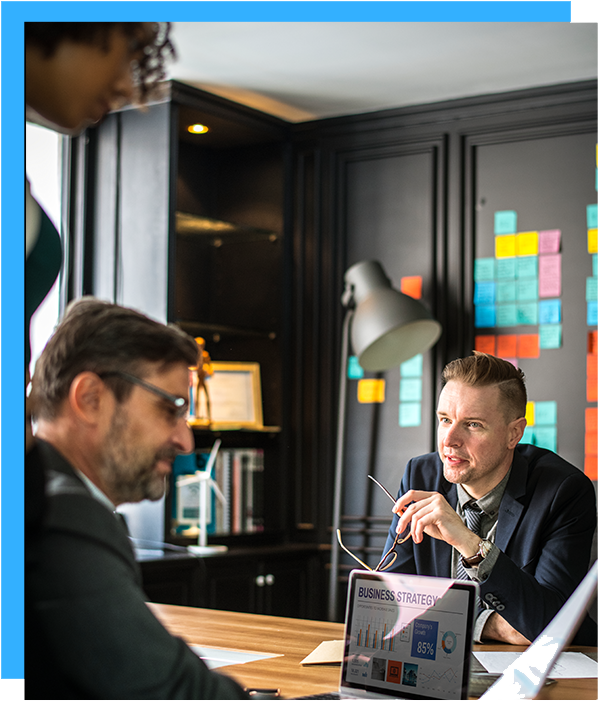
column 546, row 522
column 88, row 631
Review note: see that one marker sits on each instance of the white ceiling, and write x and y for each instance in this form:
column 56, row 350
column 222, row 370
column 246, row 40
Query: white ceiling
column 306, row 70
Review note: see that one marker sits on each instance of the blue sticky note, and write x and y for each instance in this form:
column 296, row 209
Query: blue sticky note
column 545, row 413
column 527, row 289
column 410, row 390
column 505, row 222
column 545, row 437
column 592, row 216
column 505, row 268
column 506, row 315
column 506, row 291
column 413, row 368
column 410, row 414
column 549, row 311
column 527, row 313
column 354, row 370
column 485, row 316
column 551, row 336
column 591, row 288
column 484, row 293
column 483, row 269
column 528, row 436
column 592, row 313
column 527, row 266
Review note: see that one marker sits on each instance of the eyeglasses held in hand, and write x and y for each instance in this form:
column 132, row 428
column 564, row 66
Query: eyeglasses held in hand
column 390, row 556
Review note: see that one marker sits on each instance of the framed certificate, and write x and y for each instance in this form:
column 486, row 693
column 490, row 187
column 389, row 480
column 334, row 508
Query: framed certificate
column 235, row 393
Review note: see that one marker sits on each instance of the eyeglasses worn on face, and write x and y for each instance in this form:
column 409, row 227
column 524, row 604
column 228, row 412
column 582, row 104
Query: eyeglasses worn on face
column 391, row 555
column 179, row 403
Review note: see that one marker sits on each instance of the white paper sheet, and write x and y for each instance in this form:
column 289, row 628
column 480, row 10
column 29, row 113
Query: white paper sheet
column 218, row 657
column 568, row 665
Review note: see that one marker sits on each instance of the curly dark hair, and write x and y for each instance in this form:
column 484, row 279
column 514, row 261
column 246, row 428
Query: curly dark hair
column 157, row 46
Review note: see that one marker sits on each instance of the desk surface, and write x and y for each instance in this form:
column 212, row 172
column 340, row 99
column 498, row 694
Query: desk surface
column 292, row 640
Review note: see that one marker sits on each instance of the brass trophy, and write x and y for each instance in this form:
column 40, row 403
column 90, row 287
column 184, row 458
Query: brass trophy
column 200, row 402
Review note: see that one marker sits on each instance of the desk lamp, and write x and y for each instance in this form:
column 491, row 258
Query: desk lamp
column 386, row 328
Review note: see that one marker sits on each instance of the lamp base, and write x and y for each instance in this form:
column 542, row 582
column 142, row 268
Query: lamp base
column 207, row 550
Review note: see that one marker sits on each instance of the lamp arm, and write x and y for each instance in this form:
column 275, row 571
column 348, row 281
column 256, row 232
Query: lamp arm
column 339, row 466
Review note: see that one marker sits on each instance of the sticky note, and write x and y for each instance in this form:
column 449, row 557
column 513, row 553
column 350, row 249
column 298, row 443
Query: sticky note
column 545, row 412
column 505, row 268
column 549, row 241
column 483, row 269
column 551, row 336
column 592, row 320
column 591, row 288
column 549, row 311
column 527, row 243
column 591, row 378
column 506, row 291
column 410, row 414
column 593, row 342
column 527, row 266
column 505, row 246
column 527, row 289
column 506, row 346
column 530, row 414
column 528, row 436
column 590, row 444
column 592, row 216
column 592, row 241
column 410, row 390
column 549, row 273
column 512, row 361
column 370, row 390
column 594, row 264
column 485, row 344
column 354, row 370
column 592, row 419
column 528, row 346
column 505, row 222
column 527, row 313
column 485, row 316
column 484, row 293
column 412, row 285
column 590, row 467
column 545, row 437
column 413, row 368
column 506, row 315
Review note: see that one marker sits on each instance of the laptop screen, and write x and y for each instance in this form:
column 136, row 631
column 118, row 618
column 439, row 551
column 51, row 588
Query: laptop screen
column 408, row 636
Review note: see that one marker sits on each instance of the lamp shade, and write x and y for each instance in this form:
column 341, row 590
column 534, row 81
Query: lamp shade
column 388, row 327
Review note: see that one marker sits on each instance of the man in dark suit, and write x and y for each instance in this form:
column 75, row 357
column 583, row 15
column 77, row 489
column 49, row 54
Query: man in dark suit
column 517, row 519
column 111, row 396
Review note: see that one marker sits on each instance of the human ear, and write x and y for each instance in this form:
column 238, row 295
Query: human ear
column 87, row 397
column 516, row 428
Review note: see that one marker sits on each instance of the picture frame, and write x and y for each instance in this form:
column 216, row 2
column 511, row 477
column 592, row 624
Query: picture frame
column 235, row 392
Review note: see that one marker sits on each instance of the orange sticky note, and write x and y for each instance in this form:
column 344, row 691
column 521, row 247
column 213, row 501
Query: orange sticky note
column 370, row 390
column 590, row 467
column 527, row 244
column 506, row 346
column 412, row 285
column 592, row 378
column 591, row 445
column 528, row 346
column 505, row 246
column 591, row 419
column 593, row 342
column 486, row 344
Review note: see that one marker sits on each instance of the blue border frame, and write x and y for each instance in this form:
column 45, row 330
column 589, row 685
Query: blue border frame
column 14, row 14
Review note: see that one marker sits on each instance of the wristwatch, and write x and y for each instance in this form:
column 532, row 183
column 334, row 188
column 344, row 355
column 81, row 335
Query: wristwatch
column 483, row 550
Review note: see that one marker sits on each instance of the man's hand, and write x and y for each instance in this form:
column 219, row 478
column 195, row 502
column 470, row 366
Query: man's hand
column 429, row 513
column 498, row 628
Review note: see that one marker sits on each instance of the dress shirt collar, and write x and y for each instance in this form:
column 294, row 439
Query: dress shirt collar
column 490, row 502
column 95, row 491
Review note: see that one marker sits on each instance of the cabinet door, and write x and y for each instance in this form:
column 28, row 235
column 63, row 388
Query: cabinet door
column 232, row 587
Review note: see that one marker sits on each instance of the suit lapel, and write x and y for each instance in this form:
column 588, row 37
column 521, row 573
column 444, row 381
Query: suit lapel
column 511, row 505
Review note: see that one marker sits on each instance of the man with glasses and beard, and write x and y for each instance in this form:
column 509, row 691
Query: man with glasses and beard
column 111, row 397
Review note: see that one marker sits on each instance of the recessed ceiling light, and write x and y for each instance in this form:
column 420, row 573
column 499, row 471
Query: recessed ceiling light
column 197, row 128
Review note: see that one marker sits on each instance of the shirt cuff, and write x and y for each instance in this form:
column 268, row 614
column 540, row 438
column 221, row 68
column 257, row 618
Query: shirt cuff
column 482, row 572
column 480, row 623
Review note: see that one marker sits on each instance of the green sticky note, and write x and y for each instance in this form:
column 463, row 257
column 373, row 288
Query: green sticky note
column 545, row 413
column 506, row 291
column 505, row 222
column 505, row 268
column 528, row 436
column 591, row 288
column 592, row 216
column 551, row 336
column 527, row 289
column 410, row 390
column 527, row 266
column 413, row 368
column 527, row 313
column 483, row 269
column 594, row 265
column 354, row 370
column 410, row 414
column 545, row 437
column 506, row 315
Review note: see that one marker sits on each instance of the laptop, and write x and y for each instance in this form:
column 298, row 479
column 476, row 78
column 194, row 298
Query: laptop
column 407, row 637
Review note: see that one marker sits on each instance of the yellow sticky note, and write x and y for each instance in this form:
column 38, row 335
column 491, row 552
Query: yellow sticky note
column 527, row 244
column 371, row 390
column 505, row 246
column 530, row 413
column 592, row 241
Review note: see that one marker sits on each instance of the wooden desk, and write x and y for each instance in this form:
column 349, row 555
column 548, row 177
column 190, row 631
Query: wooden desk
column 292, row 640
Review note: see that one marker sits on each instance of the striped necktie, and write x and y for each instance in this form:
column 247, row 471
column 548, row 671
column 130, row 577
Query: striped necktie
column 473, row 520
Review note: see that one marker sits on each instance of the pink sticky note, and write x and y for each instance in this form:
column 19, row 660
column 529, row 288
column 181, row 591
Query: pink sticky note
column 549, row 273
column 549, row 241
